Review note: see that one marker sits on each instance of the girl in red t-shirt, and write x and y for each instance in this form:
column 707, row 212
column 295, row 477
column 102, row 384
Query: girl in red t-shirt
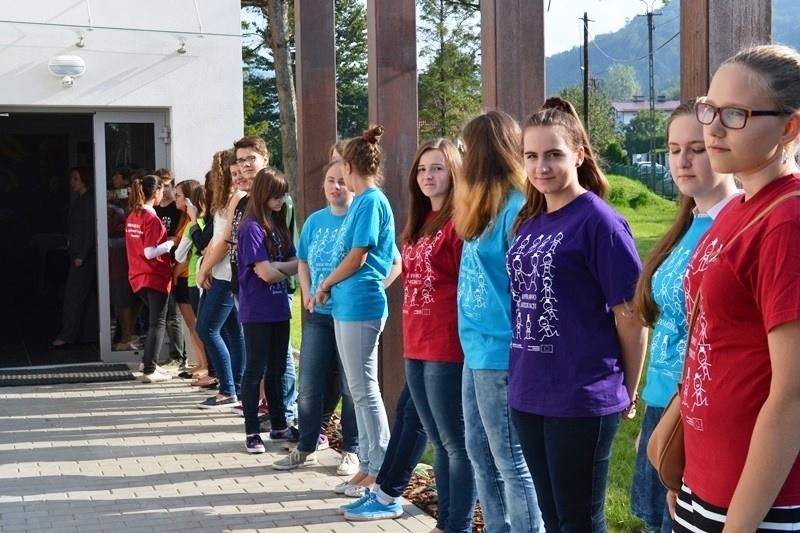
column 434, row 360
column 740, row 400
column 149, row 270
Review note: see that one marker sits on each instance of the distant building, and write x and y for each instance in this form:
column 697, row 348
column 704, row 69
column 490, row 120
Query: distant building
column 625, row 111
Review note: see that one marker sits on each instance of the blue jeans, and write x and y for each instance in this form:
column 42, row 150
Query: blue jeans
column 218, row 319
column 569, row 459
column 290, row 384
column 436, row 389
column 358, row 347
column 266, row 348
column 648, row 495
column 505, row 487
column 405, row 448
column 320, row 358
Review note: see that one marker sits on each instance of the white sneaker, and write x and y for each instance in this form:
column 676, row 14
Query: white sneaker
column 349, row 464
column 173, row 367
column 156, row 377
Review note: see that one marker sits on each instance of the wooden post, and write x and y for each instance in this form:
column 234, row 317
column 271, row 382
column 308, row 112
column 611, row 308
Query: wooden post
column 512, row 55
column 392, row 43
column 316, row 99
column 714, row 30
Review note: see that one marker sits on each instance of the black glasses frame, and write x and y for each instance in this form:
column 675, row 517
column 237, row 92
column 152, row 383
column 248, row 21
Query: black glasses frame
column 701, row 107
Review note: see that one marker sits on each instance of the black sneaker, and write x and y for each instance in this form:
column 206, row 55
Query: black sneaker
column 214, row 403
column 290, row 434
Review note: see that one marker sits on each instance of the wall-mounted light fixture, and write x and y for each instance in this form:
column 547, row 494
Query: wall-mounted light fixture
column 67, row 67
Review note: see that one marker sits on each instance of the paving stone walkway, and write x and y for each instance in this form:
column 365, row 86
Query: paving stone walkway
column 129, row 456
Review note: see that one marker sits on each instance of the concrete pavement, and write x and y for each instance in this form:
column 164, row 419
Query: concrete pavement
column 130, row 456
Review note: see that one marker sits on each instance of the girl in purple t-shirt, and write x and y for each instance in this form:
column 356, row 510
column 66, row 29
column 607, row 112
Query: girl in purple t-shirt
column 576, row 350
column 266, row 260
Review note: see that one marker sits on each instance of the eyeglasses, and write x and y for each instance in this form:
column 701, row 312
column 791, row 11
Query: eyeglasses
column 250, row 159
column 734, row 118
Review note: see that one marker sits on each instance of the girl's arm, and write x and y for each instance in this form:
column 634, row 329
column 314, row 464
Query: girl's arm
column 633, row 345
column 220, row 249
column 151, row 252
column 288, row 267
column 304, row 275
column 776, row 436
column 266, row 272
column 397, row 269
column 349, row 266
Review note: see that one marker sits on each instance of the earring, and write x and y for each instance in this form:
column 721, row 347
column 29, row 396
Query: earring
column 784, row 156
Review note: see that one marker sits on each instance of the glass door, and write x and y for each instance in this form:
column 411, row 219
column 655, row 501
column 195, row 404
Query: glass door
column 127, row 144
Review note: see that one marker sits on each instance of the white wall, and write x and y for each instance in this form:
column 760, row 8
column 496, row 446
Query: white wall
column 138, row 67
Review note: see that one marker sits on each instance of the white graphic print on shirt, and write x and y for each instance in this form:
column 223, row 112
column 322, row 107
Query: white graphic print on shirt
column 472, row 288
column 694, row 386
column 420, row 282
column 321, row 259
column 532, row 273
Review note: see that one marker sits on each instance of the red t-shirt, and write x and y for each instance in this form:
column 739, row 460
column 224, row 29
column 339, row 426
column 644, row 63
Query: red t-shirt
column 144, row 230
column 748, row 288
column 430, row 321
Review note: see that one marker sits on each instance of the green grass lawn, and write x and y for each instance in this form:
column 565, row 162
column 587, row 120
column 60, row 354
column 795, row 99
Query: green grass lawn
column 649, row 216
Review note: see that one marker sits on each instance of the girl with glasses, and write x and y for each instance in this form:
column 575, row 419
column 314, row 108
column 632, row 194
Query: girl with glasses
column 740, row 400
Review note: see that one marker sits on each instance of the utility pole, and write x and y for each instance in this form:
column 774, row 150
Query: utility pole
column 586, row 71
column 652, row 92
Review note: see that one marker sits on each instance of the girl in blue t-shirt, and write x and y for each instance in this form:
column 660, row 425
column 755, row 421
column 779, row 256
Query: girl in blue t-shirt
column 487, row 199
column 659, row 301
column 322, row 372
column 576, row 349
column 368, row 261
column 266, row 260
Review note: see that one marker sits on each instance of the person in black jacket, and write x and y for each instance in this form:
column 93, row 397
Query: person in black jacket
column 82, row 278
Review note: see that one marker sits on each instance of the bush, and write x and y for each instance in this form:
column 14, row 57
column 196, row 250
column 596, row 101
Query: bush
column 613, row 153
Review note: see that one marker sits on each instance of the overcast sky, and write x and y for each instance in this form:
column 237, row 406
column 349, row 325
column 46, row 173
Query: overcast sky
column 563, row 30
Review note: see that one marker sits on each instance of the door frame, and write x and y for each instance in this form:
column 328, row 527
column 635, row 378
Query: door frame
column 159, row 119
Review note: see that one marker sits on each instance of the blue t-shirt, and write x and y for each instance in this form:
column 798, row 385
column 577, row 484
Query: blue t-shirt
column 368, row 224
column 484, row 320
column 567, row 269
column 668, row 340
column 260, row 301
column 316, row 248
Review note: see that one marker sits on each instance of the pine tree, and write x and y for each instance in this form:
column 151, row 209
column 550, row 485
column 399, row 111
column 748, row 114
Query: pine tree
column 450, row 85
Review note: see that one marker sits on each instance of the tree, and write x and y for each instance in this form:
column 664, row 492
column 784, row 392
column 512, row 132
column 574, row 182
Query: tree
column 276, row 34
column 621, row 83
column 450, row 85
column 637, row 132
column 351, row 67
column 601, row 115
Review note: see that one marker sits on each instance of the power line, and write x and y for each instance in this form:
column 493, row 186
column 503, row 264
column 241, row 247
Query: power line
column 594, row 41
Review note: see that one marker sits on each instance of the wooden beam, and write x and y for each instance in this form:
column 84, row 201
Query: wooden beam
column 316, row 98
column 694, row 48
column 512, row 55
column 714, row 30
column 392, row 43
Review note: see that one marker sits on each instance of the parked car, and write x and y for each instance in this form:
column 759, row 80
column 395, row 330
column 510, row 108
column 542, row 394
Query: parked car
column 665, row 186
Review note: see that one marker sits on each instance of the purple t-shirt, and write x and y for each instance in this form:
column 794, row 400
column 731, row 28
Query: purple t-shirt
column 260, row 301
column 566, row 270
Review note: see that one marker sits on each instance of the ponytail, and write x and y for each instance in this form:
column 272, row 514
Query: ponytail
column 142, row 190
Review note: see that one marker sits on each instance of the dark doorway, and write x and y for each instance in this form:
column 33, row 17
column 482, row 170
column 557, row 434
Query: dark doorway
column 36, row 152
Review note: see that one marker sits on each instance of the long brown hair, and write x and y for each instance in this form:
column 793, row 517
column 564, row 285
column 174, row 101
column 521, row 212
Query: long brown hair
column 142, row 190
column 420, row 205
column 492, row 167
column 559, row 113
column 187, row 188
column 268, row 184
column 644, row 307
column 221, row 182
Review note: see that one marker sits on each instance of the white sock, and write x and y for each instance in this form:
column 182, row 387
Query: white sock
column 384, row 498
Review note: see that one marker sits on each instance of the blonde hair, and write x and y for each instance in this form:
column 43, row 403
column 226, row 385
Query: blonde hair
column 492, row 166
column 221, row 181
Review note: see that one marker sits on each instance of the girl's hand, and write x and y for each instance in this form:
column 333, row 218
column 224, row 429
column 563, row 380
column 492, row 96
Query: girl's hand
column 191, row 210
column 672, row 503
